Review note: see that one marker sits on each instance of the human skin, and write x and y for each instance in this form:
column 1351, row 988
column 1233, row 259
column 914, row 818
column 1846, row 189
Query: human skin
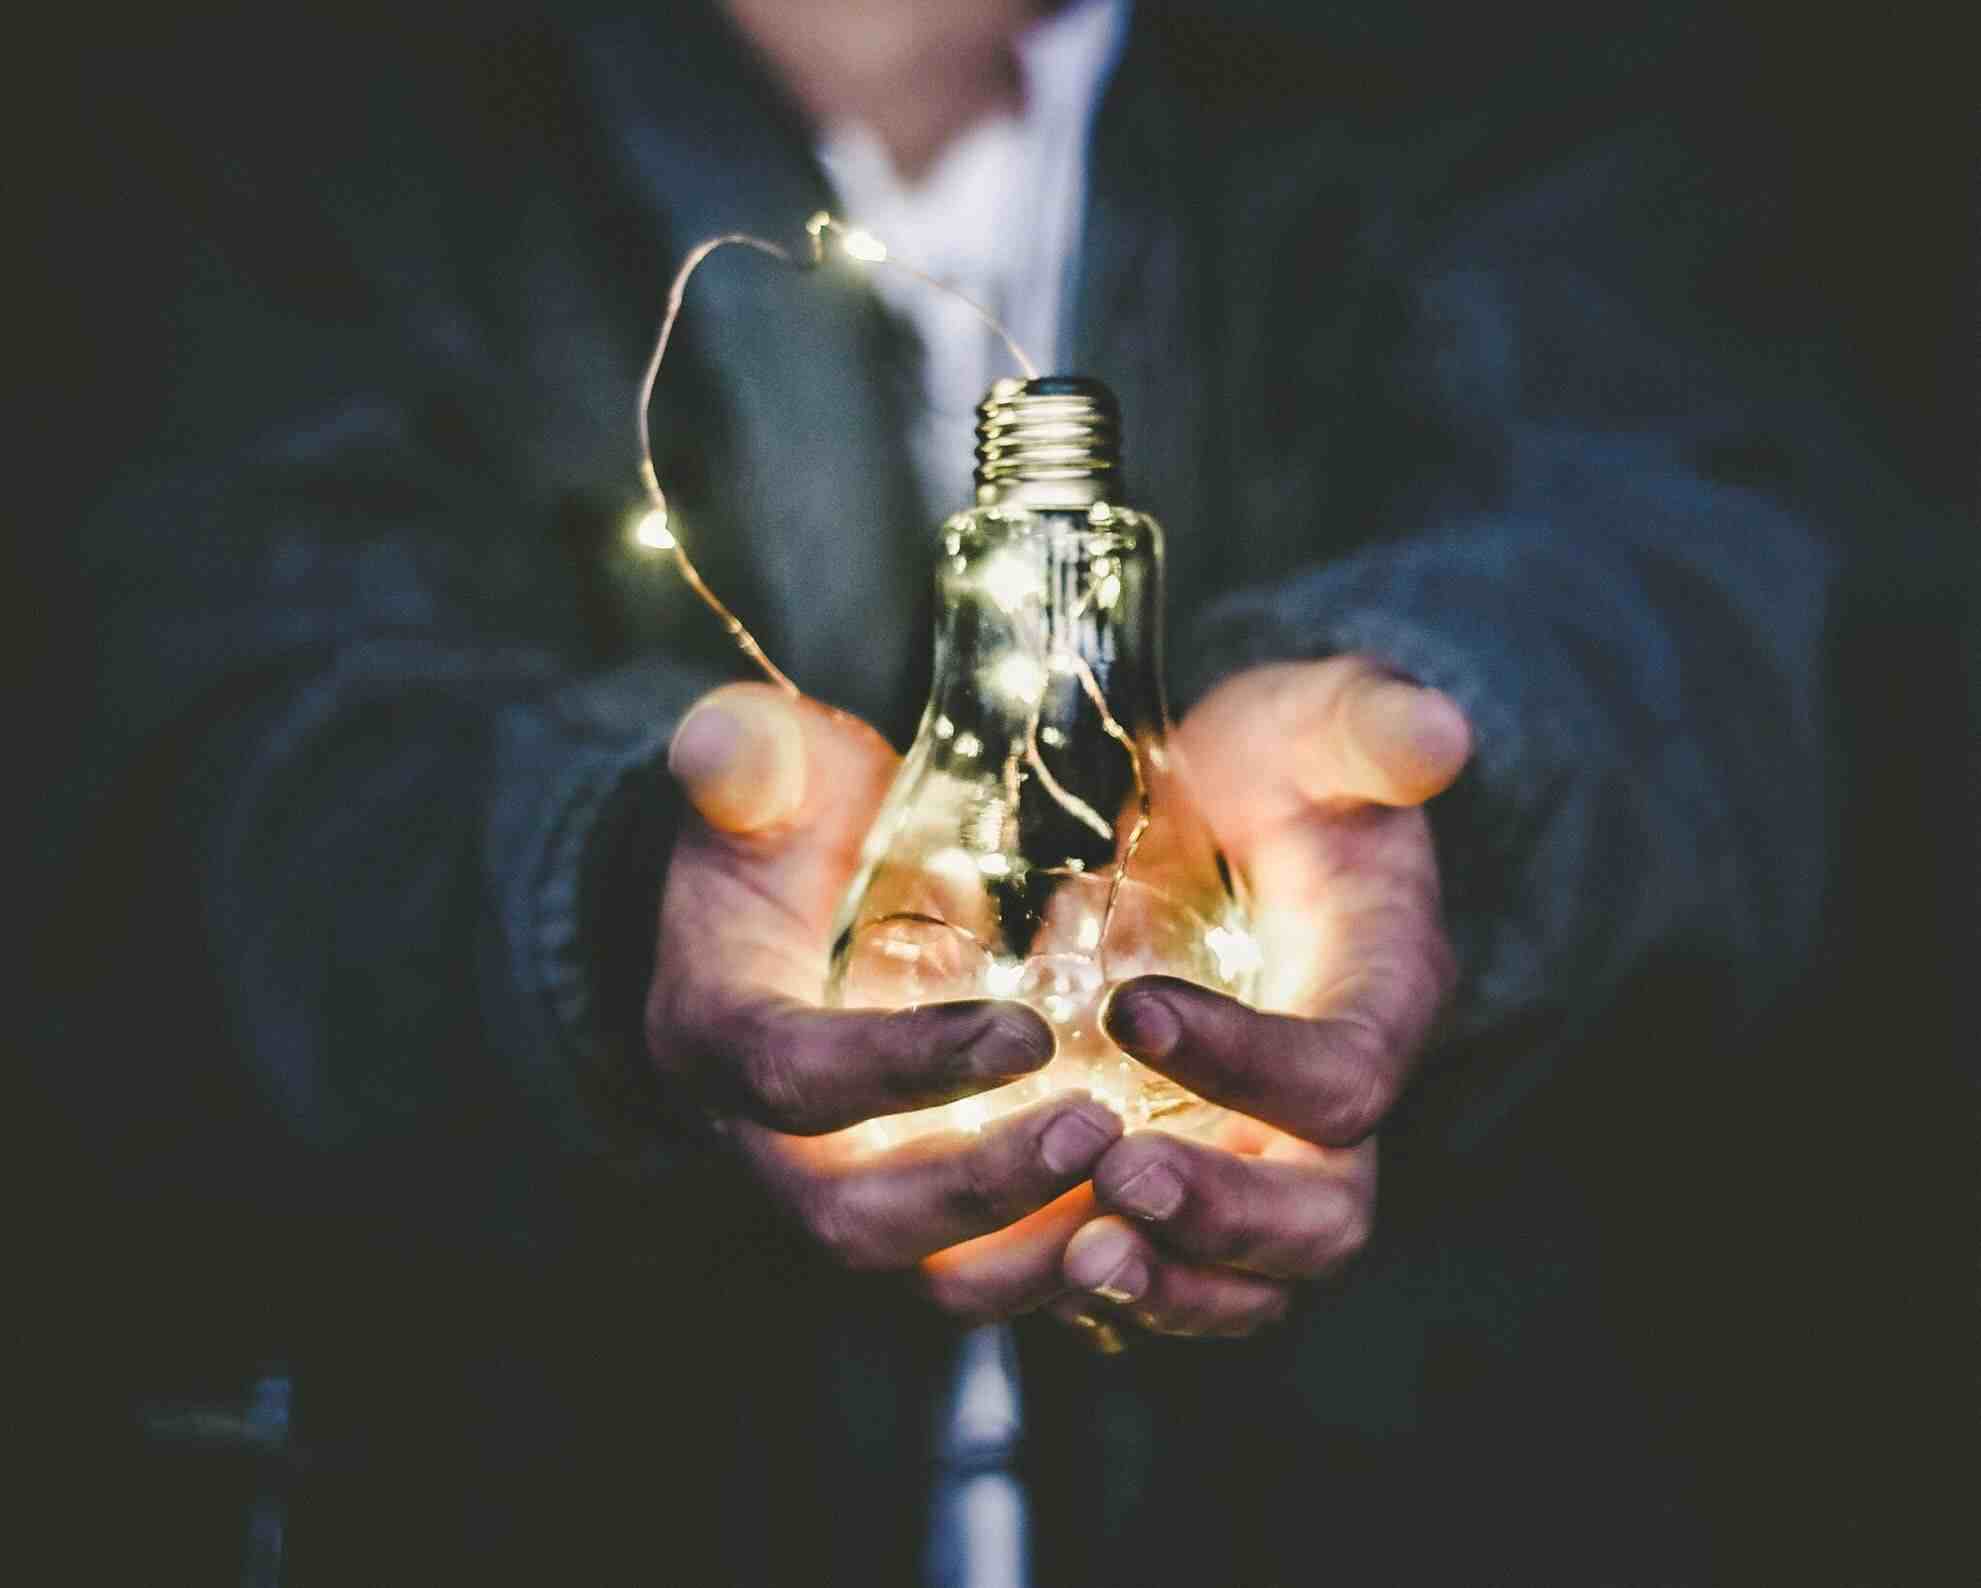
column 916, row 73
column 1053, row 1206
column 1312, row 776
column 781, row 792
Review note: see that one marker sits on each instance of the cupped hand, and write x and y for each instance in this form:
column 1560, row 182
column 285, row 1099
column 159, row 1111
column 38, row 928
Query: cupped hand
column 1311, row 776
column 781, row 793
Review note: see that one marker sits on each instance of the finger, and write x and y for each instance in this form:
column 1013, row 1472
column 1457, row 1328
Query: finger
column 755, row 762
column 1344, row 729
column 1383, row 739
column 1301, row 1215
column 1116, row 1262
column 739, row 756
column 1009, row 1271
column 889, row 1210
column 806, row 1071
column 1327, row 1080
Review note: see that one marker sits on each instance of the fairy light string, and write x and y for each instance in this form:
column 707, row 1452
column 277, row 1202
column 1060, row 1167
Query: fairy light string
column 656, row 530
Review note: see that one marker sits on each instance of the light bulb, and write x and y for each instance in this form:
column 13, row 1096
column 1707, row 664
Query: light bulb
column 1039, row 842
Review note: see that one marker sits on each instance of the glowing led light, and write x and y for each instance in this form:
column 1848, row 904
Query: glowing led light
column 969, row 746
column 1020, row 678
column 1004, row 978
column 651, row 531
column 1237, row 954
column 954, row 866
column 994, row 865
column 1052, row 736
column 944, row 728
column 1009, row 582
column 864, row 246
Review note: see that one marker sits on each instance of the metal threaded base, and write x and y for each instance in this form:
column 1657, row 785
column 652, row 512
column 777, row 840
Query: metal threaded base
column 1050, row 442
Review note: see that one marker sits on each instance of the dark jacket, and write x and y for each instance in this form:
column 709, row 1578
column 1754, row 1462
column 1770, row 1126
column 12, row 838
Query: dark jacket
column 370, row 817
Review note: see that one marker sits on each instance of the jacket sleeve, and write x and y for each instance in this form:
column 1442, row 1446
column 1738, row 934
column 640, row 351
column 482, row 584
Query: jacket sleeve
column 1600, row 552
column 421, row 853
column 362, row 853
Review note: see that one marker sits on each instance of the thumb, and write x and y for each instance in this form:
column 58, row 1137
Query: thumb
column 739, row 757
column 1366, row 734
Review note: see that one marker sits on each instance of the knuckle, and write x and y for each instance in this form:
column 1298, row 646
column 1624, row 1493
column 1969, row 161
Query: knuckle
column 981, row 1197
column 1252, row 1068
column 955, row 1293
column 1128, row 1167
column 1269, row 1309
column 1342, row 1227
column 1277, row 1310
column 1357, row 1099
column 774, row 1083
column 909, row 1055
column 1224, row 1227
column 836, row 1226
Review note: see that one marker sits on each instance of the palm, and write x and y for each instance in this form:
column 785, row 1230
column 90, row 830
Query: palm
column 1309, row 776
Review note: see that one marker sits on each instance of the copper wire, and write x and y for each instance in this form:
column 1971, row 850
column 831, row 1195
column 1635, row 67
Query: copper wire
column 816, row 230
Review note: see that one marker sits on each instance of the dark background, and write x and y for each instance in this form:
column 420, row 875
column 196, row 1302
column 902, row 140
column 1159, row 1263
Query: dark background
column 1805, row 1284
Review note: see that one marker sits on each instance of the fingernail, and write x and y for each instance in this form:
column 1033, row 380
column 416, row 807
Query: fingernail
column 1422, row 729
column 1127, row 1285
column 1154, row 1193
column 739, row 755
column 1072, row 1142
column 1011, row 1042
column 1108, row 1265
column 704, row 745
column 1143, row 1024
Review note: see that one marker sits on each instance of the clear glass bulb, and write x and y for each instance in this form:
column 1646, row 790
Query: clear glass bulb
column 996, row 865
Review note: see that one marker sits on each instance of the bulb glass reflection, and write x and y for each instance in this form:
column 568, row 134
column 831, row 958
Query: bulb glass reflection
column 996, row 866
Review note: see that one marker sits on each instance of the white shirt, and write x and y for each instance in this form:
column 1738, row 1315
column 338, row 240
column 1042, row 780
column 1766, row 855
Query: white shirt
column 998, row 217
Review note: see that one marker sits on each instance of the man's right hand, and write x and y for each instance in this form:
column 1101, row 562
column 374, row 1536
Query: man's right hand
column 782, row 792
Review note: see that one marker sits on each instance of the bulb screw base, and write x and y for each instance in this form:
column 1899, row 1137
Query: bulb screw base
column 1053, row 441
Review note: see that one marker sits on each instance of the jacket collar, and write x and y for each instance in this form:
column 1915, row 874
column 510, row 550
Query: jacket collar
column 1140, row 300
column 802, row 377
column 809, row 371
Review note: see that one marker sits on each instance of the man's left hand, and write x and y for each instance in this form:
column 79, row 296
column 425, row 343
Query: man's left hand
column 1311, row 775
